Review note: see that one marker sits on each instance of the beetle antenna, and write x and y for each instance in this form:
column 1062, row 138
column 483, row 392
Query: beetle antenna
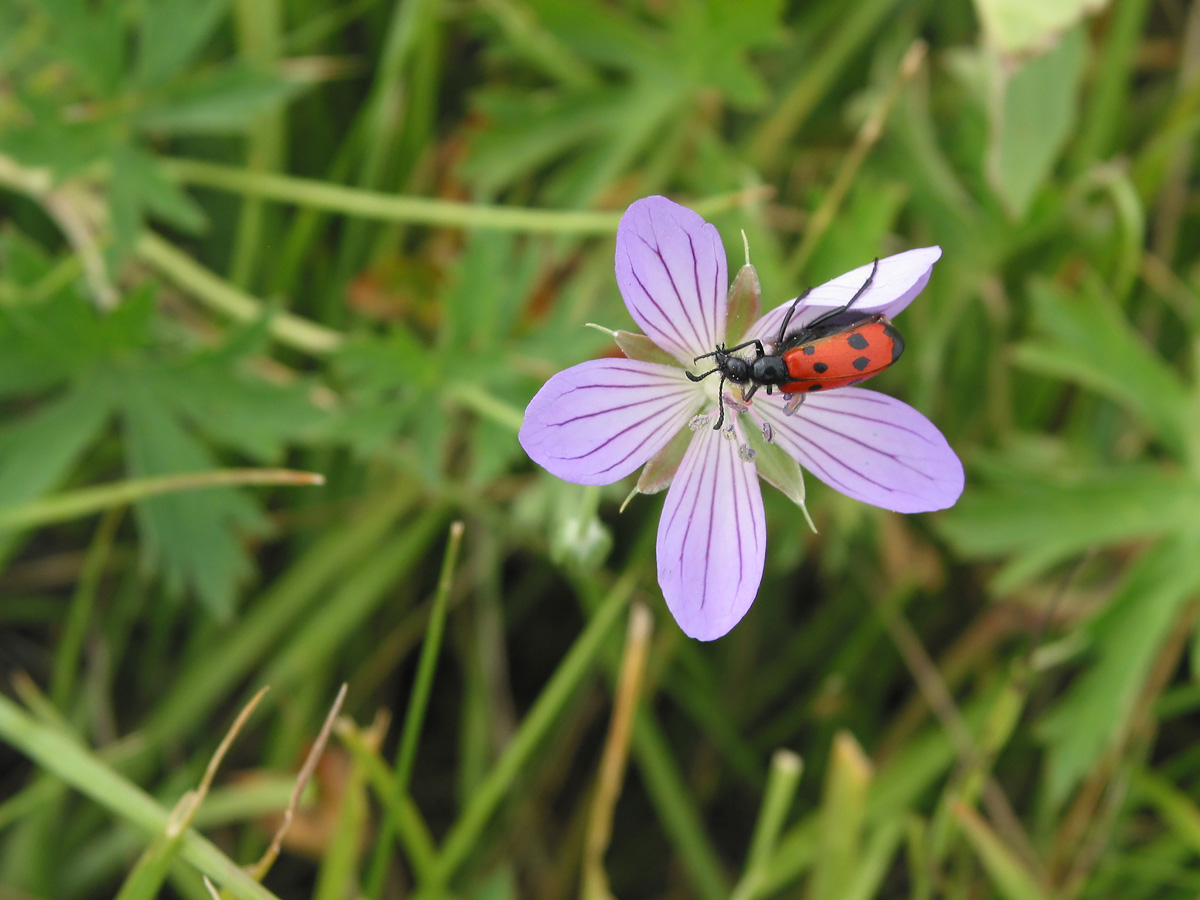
column 788, row 317
column 701, row 377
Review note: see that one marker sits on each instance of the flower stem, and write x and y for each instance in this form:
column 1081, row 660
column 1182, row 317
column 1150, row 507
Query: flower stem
column 420, row 210
column 83, row 502
column 227, row 298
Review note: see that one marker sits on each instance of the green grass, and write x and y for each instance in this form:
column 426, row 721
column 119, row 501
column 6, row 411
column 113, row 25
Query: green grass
column 244, row 241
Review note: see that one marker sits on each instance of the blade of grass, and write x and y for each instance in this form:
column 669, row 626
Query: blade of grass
column 782, row 782
column 336, row 878
column 676, row 808
column 1176, row 809
column 80, row 768
column 843, row 809
column 414, row 719
column 79, row 614
column 1010, row 878
column 382, row 116
column 868, row 135
column 146, row 878
column 466, row 832
column 862, row 20
column 259, row 24
column 263, row 866
column 1103, row 112
column 418, row 702
column 410, row 831
column 323, row 631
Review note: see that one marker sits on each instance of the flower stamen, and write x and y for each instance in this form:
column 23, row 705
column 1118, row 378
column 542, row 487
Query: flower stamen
column 794, row 403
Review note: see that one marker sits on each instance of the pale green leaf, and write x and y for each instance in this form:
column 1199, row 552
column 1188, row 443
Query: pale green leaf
column 1021, row 26
column 1033, row 114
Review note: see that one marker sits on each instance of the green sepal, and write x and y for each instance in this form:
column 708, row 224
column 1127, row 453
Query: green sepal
column 776, row 467
column 745, row 304
column 658, row 473
column 638, row 346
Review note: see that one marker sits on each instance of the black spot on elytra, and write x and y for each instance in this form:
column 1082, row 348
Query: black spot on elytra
column 814, row 387
column 809, row 351
column 820, row 368
column 857, row 341
column 861, row 363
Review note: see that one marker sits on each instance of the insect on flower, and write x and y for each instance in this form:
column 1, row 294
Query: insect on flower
column 599, row 421
column 828, row 352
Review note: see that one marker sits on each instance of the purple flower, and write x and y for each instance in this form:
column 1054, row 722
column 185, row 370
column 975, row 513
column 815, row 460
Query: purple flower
column 599, row 421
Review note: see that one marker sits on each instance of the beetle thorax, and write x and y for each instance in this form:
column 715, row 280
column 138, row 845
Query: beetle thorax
column 769, row 370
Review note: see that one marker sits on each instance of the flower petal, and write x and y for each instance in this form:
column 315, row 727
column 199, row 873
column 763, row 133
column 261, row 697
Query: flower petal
column 870, row 447
column 896, row 284
column 712, row 538
column 598, row 421
column 671, row 271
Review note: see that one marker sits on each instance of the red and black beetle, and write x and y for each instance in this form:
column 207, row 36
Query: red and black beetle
column 829, row 352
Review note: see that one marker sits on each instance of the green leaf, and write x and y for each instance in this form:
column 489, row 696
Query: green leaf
column 43, row 139
column 491, row 281
column 389, row 364
column 711, row 41
column 10, row 25
column 90, row 37
column 137, row 188
column 226, row 101
column 1088, row 340
column 1032, row 119
column 191, row 538
column 1038, row 522
column 39, row 451
column 386, row 380
column 239, row 410
column 1126, row 637
column 172, row 32
column 45, row 344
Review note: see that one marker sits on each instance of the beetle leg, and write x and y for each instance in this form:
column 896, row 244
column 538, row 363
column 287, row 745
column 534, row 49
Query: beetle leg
column 824, row 317
column 788, row 317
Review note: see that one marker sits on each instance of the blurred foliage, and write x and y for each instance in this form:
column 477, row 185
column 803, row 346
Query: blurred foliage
column 354, row 238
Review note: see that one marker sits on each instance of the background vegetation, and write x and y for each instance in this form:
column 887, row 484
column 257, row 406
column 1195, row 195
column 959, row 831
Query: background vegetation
column 354, row 238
